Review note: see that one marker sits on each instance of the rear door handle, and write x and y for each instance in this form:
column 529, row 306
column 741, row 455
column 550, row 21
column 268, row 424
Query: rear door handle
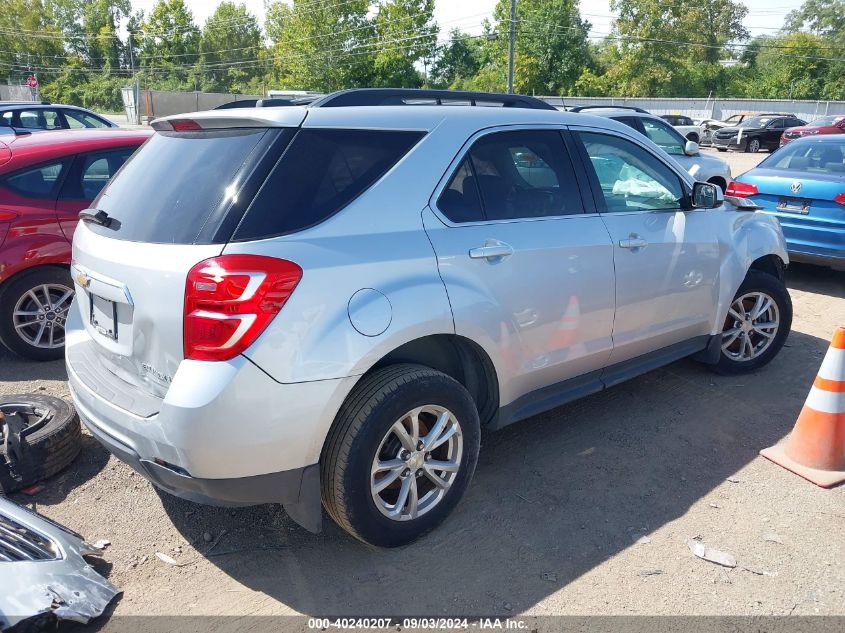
column 634, row 242
column 491, row 251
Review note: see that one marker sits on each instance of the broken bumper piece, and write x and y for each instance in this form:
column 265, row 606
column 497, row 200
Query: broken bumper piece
column 43, row 574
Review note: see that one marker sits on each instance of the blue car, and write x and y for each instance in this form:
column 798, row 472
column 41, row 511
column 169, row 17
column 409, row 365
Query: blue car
column 803, row 185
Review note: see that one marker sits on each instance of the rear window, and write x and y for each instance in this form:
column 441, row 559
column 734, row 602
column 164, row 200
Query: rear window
column 179, row 183
column 809, row 158
column 321, row 172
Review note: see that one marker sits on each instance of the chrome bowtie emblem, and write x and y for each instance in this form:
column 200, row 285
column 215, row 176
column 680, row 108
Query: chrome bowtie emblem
column 795, row 186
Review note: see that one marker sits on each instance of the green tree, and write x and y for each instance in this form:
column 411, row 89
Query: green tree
column 169, row 46
column 821, row 17
column 230, row 47
column 405, row 34
column 551, row 47
column 672, row 49
column 320, row 46
column 458, row 62
column 798, row 66
column 19, row 51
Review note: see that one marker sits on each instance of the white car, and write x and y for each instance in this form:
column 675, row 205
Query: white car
column 701, row 167
column 685, row 126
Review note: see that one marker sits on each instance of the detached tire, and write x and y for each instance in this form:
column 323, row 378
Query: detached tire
column 758, row 321
column 388, row 479
column 49, row 440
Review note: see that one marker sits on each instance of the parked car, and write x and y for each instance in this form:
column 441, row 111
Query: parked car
column 284, row 305
column 684, row 125
column 43, row 115
column 46, row 179
column 700, row 166
column 803, row 186
column 754, row 133
column 832, row 124
column 709, row 126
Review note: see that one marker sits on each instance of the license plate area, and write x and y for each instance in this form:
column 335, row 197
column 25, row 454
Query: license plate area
column 794, row 205
column 103, row 316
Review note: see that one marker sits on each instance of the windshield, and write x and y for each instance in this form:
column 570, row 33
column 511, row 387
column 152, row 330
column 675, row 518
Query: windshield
column 757, row 121
column 814, row 158
column 827, row 120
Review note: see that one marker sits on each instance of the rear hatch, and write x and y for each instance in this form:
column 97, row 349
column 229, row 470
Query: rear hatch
column 175, row 203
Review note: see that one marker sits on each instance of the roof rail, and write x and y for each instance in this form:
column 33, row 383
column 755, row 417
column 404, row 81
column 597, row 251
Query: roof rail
column 608, row 107
column 412, row 96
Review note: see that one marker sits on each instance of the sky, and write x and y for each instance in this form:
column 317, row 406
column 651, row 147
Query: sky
column 765, row 16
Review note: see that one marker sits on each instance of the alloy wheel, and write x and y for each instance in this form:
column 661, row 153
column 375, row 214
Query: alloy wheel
column 40, row 314
column 750, row 327
column 416, row 462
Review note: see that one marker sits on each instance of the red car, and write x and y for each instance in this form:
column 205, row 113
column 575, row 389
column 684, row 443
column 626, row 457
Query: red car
column 46, row 179
column 831, row 124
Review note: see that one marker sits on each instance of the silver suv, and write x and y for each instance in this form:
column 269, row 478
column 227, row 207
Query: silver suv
column 331, row 303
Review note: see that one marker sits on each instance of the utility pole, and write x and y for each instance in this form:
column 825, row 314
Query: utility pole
column 511, row 45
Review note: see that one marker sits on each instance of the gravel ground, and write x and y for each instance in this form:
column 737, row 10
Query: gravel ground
column 583, row 510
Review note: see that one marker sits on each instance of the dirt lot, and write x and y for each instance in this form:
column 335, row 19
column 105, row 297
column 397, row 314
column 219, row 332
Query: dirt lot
column 552, row 524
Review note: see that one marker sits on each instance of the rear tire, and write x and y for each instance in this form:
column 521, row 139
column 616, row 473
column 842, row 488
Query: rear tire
column 749, row 340
column 26, row 293
column 362, row 452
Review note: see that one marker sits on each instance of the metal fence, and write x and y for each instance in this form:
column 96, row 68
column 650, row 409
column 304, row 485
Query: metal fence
column 145, row 105
column 700, row 108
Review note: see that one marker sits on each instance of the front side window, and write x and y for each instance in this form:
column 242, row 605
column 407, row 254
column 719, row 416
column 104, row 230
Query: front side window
column 36, row 182
column 76, row 119
column 518, row 174
column 631, row 179
column 664, row 136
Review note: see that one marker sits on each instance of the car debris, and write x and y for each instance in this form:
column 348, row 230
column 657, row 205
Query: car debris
column 772, row 538
column 101, row 544
column 167, row 559
column 43, row 574
column 709, row 554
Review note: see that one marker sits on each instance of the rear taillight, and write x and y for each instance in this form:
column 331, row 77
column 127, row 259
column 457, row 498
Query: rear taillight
column 840, row 199
column 6, row 216
column 741, row 189
column 185, row 125
column 230, row 299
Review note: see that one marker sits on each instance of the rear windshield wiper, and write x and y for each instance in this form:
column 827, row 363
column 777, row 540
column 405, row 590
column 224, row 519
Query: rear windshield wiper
column 96, row 217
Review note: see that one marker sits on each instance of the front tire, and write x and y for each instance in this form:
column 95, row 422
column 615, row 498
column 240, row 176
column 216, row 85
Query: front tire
column 721, row 149
column 400, row 454
column 756, row 326
column 752, row 146
column 33, row 310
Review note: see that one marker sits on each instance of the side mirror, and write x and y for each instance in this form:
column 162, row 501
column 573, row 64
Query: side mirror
column 691, row 148
column 706, row 196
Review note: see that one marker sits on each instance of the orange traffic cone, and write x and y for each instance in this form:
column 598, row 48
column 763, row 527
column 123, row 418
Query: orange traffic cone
column 816, row 448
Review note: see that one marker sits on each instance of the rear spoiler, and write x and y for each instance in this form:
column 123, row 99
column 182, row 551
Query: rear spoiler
column 234, row 118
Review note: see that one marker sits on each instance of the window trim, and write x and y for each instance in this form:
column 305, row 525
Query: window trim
column 595, row 186
column 455, row 164
column 53, row 196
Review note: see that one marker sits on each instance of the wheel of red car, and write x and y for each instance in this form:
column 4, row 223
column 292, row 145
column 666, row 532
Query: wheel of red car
column 39, row 436
column 33, row 310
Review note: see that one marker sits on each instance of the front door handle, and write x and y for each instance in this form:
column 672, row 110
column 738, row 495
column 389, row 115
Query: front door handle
column 634, row 242
column 491, row 251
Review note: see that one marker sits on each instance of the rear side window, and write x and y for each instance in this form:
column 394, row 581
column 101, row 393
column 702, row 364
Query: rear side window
column 320, row 173
column 40, row 119
column 179, row 182
column 36, row 182
column 519, row 174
